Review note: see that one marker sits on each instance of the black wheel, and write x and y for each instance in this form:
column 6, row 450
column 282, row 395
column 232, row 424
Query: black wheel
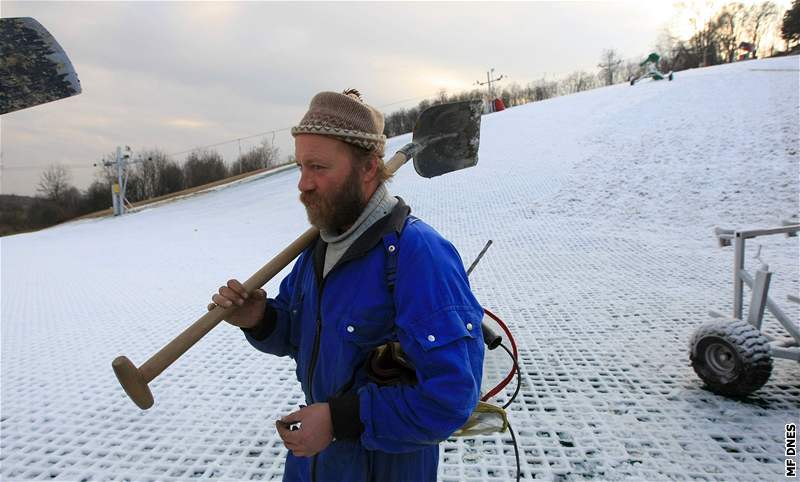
column 733, row 358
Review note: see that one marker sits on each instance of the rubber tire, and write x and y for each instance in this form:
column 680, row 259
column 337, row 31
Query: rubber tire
column 747, row 362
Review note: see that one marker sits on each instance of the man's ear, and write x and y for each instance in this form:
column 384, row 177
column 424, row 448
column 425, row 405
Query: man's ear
column 371, row 169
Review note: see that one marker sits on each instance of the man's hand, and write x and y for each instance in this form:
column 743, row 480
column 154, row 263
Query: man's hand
column 315, row 433
column 251, row 307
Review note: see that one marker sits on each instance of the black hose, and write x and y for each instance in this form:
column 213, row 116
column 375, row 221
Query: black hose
column 516, row 450
column 510, row 401
column 519, row 379
column 490, row 338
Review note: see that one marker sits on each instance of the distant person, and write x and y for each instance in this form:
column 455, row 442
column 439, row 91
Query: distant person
column 651, row 64
column 377, row 313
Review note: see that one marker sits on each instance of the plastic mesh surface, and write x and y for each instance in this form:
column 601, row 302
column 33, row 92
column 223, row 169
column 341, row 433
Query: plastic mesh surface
column 601, row 207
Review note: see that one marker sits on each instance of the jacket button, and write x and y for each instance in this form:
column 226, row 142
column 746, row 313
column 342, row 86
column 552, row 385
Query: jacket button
column 431, row 338
column 469, row 326
column 350, row 329
column 391, row 248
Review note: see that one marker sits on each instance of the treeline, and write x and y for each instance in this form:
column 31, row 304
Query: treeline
column 728, row 33
column 514, row 94
column 715, row 41
column 150, row 174
column 403, row 120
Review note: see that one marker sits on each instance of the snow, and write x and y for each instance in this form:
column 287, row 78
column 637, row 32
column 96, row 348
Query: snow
column 601, row 207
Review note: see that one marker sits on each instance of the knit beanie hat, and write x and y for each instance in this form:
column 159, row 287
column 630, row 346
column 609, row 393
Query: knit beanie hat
column 345, row 117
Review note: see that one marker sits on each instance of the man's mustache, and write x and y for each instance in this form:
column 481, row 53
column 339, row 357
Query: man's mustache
column 307, row 198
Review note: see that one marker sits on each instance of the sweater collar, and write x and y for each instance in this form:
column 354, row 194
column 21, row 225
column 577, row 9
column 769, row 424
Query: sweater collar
column 394, row 221
column 379, row 198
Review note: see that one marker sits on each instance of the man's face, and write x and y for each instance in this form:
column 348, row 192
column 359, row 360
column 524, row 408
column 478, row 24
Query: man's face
column 331, row 187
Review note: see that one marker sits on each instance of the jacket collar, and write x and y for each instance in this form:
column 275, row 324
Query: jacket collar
column 394, row 221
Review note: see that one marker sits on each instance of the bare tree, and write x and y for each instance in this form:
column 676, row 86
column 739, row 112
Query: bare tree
column 261, row 156
column 393, row 123
column 701, row 45
column 763, row 19
column 631, row 69
column 203, row 167
column 104, row 173
column 670, row 48
column 543, row 89
column 517, row 95
column 96, row 197
column 157, row 174
column 578, row 82
column 729, row 26
column 609, row 66
column 70, row 202
column 54, row 182
column 148, row 170
column 172, row 179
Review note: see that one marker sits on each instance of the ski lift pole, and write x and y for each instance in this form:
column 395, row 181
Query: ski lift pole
column 118, row 188
column 490, row 338
column 480, row 255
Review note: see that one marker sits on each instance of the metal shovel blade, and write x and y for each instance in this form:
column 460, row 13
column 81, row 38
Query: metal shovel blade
column 34, row 69
column 449, row 135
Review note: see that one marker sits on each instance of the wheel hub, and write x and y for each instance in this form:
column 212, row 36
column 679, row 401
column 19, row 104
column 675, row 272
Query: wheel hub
column 720, row 358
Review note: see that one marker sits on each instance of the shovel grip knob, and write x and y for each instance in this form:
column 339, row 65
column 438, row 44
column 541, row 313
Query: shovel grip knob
column 134, row 383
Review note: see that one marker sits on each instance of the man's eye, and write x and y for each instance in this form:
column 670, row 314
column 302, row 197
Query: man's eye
column 313, row 167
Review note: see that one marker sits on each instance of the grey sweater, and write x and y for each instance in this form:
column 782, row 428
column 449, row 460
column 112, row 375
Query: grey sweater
column 379, row 205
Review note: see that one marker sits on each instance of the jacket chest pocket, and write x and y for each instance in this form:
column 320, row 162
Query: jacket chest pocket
column 367, row 330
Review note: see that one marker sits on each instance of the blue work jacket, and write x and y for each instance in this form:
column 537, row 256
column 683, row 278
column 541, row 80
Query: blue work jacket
column 400, row 281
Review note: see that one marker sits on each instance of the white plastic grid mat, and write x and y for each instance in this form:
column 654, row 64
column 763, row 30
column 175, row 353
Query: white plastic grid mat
column 600, row 206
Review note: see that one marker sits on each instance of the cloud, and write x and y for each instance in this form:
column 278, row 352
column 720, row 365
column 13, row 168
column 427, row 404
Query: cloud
column 186, row 123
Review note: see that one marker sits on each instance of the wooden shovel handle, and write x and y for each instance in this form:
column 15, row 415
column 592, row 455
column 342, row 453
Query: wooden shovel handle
column 197, row 330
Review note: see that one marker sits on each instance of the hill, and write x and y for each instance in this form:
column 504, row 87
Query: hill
column 601, row 207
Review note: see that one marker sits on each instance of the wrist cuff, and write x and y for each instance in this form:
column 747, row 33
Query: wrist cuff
column 266, row 326
column 345, row 416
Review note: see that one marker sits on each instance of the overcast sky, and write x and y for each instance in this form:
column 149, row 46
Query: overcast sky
column 183, row 75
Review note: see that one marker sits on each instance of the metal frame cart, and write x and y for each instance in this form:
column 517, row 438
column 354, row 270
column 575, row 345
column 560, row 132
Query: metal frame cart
column 734, row 356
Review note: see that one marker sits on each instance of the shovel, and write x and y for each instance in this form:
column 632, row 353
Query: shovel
column 445, row 139
column 34, row 69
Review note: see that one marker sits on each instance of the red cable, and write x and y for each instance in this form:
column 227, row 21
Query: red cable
column 494, row 391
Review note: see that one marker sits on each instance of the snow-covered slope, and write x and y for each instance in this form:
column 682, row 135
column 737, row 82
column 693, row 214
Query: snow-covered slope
column 601, row 207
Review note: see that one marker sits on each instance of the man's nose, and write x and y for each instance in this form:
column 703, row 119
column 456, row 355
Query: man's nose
column 306, row 183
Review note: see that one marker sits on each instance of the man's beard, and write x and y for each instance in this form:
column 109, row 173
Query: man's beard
column 338, row 211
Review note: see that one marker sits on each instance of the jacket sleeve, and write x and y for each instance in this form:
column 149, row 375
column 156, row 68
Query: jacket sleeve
column 272, row 334
column 439, row 328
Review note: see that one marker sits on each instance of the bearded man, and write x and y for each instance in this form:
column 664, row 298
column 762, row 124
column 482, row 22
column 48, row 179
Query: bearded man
column 377, row 313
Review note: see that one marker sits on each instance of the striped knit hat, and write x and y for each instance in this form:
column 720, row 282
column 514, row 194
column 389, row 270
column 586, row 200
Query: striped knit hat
column 345, row 117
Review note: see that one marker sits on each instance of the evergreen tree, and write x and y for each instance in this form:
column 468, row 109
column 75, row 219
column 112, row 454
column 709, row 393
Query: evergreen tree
column 790, row 30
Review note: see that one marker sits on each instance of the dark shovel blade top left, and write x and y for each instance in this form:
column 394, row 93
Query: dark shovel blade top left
column 34, row 69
